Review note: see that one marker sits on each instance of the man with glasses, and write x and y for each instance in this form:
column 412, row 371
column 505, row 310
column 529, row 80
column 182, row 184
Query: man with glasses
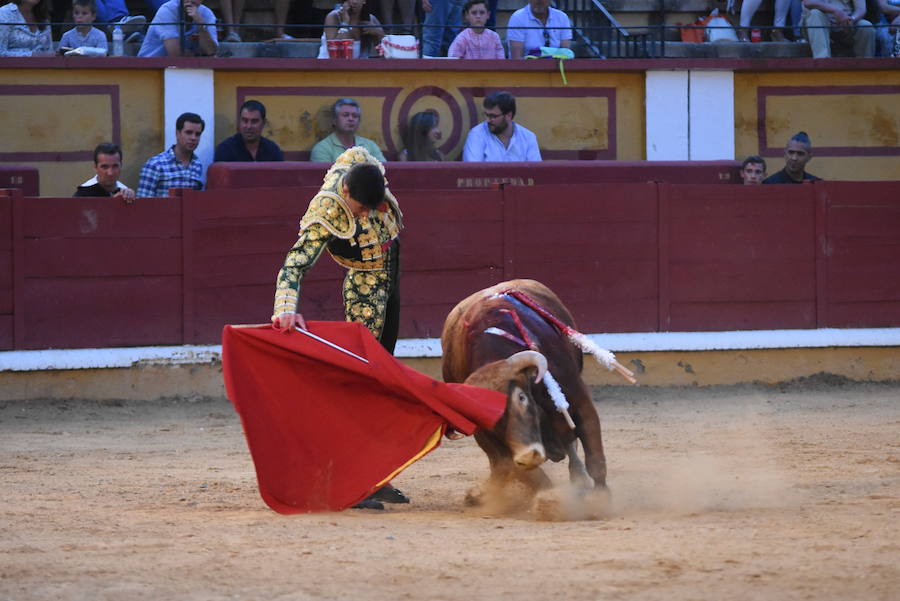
column 535, row 25
column 498, row 137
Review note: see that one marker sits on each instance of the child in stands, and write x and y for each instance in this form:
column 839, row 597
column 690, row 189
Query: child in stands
column 83, row 35
column 476, row 41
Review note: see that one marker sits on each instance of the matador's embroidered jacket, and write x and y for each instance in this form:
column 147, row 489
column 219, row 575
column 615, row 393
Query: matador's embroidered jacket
column 361, row 244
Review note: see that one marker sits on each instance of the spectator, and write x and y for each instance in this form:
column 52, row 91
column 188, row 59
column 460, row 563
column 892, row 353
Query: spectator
column 232, row 11
column 109, row 12
column 164, row 33
column 499, row 138
column 888, row 37
column 753, row 170
column 424, row 131
column 345, row 119
column 108, row 165
column 749, row 8
column 248, row 144
column 407, row 10
column 535, row 25
column 24, row 30
column 352, row 21
column 797, row 154
column 442, row 20
column 282, row 8
column 838, row 20
column 83, row 35
column 177, row 167
column 476, row 41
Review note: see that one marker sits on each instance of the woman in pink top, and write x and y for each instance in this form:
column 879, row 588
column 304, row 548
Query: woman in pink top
column 476, row 41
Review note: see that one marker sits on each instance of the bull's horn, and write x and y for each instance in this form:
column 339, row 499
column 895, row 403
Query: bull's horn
column 524, row 359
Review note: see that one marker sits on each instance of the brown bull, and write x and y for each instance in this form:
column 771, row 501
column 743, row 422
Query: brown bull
column 490, row 326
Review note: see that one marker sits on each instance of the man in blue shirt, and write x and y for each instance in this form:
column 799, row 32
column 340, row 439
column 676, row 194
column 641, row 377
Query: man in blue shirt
column 247, row 144
column 535, row 25
column 164, row 34
column 498, row 137
column 178, row 167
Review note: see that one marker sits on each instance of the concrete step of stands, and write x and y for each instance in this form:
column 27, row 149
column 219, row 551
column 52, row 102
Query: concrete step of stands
column 310, row 48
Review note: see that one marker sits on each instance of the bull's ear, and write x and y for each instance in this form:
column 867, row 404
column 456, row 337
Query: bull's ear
column 533, row 374
column 493, row 375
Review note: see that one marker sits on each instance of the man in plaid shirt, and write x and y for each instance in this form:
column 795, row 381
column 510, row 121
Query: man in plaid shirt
column 178, row 167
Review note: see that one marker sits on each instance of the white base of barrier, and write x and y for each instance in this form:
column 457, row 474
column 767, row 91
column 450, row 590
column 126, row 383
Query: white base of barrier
column 58, row 359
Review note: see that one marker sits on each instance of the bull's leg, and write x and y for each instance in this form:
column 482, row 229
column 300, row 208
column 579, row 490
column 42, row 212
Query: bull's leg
column 534, row 479
column 509, row 488
column 501, row 466
column 577, row 473
column 588, row 432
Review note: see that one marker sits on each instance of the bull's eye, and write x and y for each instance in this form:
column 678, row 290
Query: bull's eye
column 522, row 399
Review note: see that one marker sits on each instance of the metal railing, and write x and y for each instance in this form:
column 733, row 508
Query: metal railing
column 596, row 33
column 595, row 27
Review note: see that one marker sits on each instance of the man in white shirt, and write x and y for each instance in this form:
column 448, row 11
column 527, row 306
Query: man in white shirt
column 498, row 137
column 535, row 25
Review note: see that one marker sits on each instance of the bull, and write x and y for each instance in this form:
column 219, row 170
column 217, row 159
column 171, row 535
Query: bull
column 484, row 339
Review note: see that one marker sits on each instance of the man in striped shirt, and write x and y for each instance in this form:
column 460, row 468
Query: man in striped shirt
column 177, row 167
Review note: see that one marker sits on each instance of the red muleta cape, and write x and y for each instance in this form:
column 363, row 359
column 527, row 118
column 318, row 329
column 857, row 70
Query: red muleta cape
column 325, row 429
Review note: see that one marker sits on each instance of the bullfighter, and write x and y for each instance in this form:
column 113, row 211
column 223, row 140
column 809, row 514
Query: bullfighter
column 357, row 219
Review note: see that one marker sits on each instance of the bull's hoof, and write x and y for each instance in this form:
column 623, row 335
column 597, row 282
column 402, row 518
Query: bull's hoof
column 548, row 507
column 597, row 503
column 568, row 504
column 474, row 497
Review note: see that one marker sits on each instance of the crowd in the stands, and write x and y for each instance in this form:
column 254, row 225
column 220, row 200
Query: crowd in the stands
column 448, row 28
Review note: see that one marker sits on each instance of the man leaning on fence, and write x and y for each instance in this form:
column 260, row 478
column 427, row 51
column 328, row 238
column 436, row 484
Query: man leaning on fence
column 177, row 167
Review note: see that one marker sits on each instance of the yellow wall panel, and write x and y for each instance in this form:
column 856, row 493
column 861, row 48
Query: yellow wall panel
column 63, row 124
column 85, row 122
column 852, row 118
column 597, row 113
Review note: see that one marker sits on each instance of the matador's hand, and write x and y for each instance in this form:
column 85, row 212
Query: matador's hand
column 287, row 321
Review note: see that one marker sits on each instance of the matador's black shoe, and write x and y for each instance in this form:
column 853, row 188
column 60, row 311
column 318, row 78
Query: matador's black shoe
column 389, row 494
column 369, row 503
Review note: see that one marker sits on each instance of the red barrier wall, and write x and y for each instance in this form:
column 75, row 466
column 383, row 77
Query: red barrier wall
column 859, row 234
column 738, row 258
column 624, row 257
column 23, row 177
column 7, row 289
column 427, row 176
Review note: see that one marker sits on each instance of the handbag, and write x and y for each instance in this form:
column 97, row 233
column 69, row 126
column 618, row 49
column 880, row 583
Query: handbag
column 399, row 46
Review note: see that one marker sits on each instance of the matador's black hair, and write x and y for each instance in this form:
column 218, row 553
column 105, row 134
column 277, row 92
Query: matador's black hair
column 365, row 184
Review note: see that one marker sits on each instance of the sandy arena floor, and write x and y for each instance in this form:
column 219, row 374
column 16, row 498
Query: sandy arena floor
column 725, row 493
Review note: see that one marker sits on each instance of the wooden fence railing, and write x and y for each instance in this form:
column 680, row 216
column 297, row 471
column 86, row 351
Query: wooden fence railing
column 93, row 272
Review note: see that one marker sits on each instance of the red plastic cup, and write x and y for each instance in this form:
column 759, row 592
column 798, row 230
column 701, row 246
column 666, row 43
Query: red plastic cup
column 335, row 48
column 755, row 35
column 347, row 49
